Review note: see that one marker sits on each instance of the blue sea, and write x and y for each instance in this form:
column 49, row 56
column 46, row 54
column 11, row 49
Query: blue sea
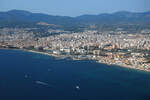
column 32, row 76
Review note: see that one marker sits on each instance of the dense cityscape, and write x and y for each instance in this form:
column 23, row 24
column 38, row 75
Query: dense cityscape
column 117, row 47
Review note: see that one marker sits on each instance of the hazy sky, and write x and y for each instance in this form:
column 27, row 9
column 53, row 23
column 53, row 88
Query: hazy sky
column 75, row 7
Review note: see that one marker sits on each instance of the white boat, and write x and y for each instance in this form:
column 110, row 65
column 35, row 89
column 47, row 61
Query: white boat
column 77, row 87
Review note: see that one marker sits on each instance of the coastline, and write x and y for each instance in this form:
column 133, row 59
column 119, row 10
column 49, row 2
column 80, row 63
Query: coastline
column 63, row 57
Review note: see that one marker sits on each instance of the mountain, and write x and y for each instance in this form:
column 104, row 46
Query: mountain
column 21, row 17
column 25, row 17
column 122, row 17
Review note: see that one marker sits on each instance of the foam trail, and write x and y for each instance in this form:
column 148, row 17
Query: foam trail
column 44, row 84
column 41, row 83
column 49, row 85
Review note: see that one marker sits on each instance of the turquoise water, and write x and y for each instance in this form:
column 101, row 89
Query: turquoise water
column 31, row 76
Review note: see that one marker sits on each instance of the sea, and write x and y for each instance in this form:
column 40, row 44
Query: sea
column 32, row 76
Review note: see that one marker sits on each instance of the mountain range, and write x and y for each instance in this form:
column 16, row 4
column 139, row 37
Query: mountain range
column 21, row 17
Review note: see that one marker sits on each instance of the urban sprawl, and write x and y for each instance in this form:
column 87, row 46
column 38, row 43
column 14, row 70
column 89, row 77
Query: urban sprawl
column 109, row 47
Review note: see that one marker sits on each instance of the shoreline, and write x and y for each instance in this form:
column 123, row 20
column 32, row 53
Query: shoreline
column 63, row 57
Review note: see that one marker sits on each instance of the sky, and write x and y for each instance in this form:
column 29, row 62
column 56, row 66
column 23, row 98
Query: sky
column 75, row 7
